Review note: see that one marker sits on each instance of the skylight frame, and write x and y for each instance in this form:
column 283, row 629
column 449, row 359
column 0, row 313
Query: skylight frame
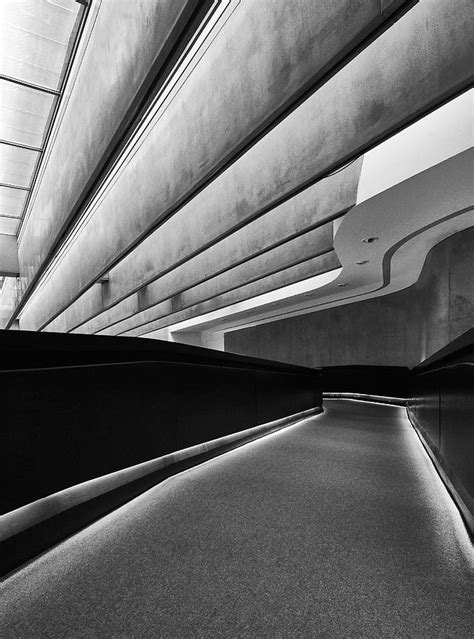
column 56, row 92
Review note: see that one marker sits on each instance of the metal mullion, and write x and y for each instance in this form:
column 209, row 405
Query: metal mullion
column 37, row 166
column 28, row 85
column 15, row 186
column 69, row 60
column 10, row 217
column 28, row 147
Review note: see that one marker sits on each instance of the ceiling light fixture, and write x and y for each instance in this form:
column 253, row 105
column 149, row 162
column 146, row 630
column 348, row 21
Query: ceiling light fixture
column 341, row 285
column 363, row 262
column 369, row 240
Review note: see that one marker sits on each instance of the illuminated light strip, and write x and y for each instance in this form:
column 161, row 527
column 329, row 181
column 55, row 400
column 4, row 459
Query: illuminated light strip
column 438, row 489
column 455, row 498
column 26, row 516
column 367, row 397
column 442, row 485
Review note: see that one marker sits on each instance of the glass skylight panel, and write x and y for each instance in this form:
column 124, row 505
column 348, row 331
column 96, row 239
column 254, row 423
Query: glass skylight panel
column 17, row 165
column 8, row 225
column 34, row 39
column 24, row 114
column 12, row 201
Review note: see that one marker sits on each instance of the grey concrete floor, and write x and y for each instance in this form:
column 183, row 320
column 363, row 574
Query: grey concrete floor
column 335, row 527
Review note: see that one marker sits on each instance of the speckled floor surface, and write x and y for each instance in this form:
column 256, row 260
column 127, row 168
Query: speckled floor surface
column 335, row 527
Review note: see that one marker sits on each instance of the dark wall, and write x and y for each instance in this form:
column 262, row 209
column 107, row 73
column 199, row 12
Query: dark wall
column 442, row 409
column 65, row 425
column 389, row 381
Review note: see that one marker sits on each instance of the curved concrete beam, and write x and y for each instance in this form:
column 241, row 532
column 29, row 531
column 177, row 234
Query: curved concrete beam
column 409, row 219
column 321, row 202
column 440, row 135
column 444, row 133
column 297, row 274
column 165, row 153
column 123, row 43
column 308, row 246
column 354, row 109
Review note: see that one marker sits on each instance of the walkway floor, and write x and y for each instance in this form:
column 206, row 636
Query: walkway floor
column 335, row 527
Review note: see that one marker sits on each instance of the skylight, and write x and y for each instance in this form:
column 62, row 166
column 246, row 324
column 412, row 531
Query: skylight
column 37, row 38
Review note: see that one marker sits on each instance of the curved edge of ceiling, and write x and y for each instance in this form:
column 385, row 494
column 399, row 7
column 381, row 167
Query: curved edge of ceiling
column 415, row 189
column 407, row 219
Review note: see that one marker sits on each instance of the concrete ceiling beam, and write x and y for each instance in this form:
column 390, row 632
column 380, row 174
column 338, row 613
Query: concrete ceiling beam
column 305, row 247
column 374, row 95
column 311, row 208
column 9, row 256
column 407, row 220
column 271, row 283
column 120, row 54
column 265, row 55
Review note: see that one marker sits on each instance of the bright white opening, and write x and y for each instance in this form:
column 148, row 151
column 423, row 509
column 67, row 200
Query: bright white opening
column 433, row 139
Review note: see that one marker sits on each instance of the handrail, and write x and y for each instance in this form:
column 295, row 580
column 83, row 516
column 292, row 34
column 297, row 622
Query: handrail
column 443, row 368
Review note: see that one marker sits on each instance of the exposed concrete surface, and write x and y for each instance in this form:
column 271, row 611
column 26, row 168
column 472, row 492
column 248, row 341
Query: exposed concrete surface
column 8, row 255
column 408, row 220
column 8, row 300
column 265, row 55
column 258, row 275
column 354, row 109
column 400, row 329
column 401, row 201
column 299, row 273
column 336, row 527
column 125, row 40
column 161, row 252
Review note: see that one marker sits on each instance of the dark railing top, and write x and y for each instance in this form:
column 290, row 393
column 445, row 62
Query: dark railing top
column 459, row 352
column 21, row 350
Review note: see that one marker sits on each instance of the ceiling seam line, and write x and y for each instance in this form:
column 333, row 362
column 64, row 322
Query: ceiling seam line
column 29, row 85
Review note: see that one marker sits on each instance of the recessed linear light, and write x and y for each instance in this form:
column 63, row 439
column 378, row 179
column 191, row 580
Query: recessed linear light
column 363, row 262
column 370, row 240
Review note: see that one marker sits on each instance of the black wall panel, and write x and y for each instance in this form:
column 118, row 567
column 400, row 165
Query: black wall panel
column 457, row 424
column 65, row 425
column 442, row 405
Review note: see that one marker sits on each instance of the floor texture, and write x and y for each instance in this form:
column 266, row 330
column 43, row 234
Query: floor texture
column 335, row 527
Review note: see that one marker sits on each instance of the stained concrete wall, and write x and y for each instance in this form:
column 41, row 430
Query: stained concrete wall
column 8, row 255
column 353, row 110
column 8, row 299
column 123, row 41
column 282, row 229
column 400, row 329
column 270, row 283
